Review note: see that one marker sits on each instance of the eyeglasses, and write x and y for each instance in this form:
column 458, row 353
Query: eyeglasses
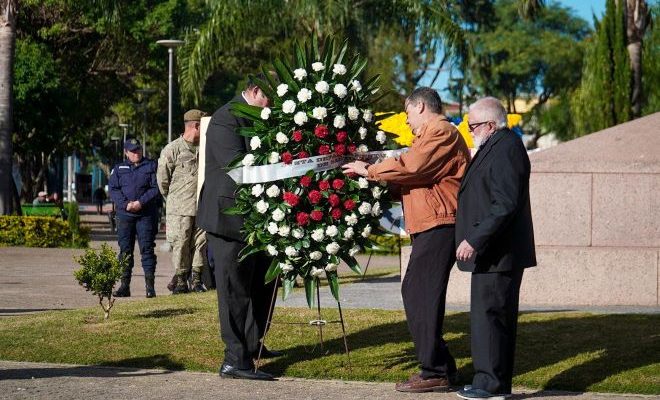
column 474, row 126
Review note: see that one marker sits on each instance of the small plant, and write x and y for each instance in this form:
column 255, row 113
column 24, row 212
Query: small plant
column 99, row 273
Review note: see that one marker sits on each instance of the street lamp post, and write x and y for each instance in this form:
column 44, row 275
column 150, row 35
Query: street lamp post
column 171, row 44
column 145, row 92
column 125, row 127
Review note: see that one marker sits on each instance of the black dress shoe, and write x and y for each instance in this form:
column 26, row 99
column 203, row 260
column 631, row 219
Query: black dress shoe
column 228, row 371
column 265, row 353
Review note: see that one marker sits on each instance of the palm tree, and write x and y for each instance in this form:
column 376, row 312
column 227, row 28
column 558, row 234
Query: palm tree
column 7, row 42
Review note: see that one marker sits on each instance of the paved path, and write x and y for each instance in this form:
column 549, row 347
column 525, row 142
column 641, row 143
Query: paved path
column 57, row 381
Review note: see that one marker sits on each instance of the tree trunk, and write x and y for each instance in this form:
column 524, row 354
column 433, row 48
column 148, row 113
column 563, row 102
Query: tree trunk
column 635, row 53
column 637, row 19
column 7, row 43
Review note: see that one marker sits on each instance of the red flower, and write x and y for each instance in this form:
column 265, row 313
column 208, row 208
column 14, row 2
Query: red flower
column 336, row 213
column 349, row 205
column 302, row 154
column 316, row 215
column 352, row 175
column 291, row 199
column 302, row 218
column 324, row 149
column 334, row 200
column 287, row 157
column 342, row 136
column 352, row 148
column 340, row 149
column 314, row 196
column 324, row 185
column 297, row 136
column 305, row 181
column 337, row 184
column 321, row 131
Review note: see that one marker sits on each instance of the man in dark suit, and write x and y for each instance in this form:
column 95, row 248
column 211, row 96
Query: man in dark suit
column 243, row 300
column 496, row 243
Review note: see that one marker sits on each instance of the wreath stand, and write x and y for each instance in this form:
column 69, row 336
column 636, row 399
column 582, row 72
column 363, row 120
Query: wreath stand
column 318, row 322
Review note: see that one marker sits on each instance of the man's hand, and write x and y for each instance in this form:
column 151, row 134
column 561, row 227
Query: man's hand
column 356, row 167
column 465, row 252
column 133, row 206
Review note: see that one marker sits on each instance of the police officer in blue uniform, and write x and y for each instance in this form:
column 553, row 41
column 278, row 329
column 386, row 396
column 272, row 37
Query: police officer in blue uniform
column 134, row 190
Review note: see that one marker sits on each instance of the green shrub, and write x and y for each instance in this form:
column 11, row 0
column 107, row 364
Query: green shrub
column 99, row 274
column 40, row 232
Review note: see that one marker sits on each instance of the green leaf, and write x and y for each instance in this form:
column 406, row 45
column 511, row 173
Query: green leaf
column 235, row 210
column 352, row 263
column 300, row 55
column 333, row 281
column 358, row 68
column 284, row 72
column 310, row 286
column 247, row 251
column 273, row 271
column 342, row 53
column 247, row 131
column 246, row 110
column 288, row 285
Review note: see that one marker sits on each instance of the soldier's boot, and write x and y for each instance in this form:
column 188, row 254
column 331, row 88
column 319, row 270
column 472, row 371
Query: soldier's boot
column 172, row 284
column 149, row 285
column 197, row 286
column 181, row 285
column 124, row 289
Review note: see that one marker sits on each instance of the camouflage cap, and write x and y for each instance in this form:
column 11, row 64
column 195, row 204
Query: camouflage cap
column 193, row 115
column 132, row 144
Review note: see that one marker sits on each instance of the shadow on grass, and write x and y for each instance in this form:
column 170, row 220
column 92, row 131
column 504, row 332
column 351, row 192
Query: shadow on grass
column 567, row 353
column 109, row 370
column 157, row 361
column 169, row 312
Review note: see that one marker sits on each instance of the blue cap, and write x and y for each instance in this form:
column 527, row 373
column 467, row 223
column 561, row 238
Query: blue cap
column 132, row 144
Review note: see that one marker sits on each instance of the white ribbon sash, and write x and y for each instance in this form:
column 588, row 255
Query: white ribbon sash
column 275, row 172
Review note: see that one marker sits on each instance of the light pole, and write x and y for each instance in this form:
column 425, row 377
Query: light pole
column 125, row 127
column 171, row 44
column 145, row 92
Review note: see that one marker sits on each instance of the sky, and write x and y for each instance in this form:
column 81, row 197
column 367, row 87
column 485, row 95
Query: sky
column 583, row 8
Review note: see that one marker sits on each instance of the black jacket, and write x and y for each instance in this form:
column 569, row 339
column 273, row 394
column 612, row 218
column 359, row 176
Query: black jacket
column 494, row 213
column 223, row 145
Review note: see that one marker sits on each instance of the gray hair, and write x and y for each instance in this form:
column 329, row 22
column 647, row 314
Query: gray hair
column 491, row 109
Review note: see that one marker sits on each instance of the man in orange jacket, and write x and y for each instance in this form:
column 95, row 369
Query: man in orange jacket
column 429, row 176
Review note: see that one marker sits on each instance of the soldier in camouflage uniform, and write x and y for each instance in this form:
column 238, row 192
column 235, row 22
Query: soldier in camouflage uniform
column 177, row 181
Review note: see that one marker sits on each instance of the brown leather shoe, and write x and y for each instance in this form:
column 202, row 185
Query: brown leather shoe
column 417, row 384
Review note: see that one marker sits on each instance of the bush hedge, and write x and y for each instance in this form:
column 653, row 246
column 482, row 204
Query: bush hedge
column 40, row 232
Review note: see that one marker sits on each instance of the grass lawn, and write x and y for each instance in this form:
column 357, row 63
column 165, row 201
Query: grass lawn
column 569, row 351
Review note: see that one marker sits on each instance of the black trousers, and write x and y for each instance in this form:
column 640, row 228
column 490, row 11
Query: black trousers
column 424, row 290
column 493, row 323
column 243, row 300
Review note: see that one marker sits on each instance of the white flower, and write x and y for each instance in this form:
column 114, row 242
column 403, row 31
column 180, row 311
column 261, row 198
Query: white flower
column 332, row 248
column 248, row 160
column 356, row 86
column 340, row 90
column 363, row 132
column 363, row 183
column 304, row 94
column 288, row 107
column 272, row 250
column 339, row 121
column 273, row 191
column 367, row 115
column 261, row 206
column 272, row 228
column 362, row 148
column 354, row 250
column 286, row 268
column 348, row 233
column 257, row 190
column 315, row 255
column 376, row 192
column 300, row 118
column 331, row 231
column 318, row 66
column 322, row 87
column 265, row 113
column 315, row 272
column 375, row 209
column 339, row 69
column 255, row 142
column 274, row 158
column 281, row 138
column 353, row 113
column 380, row 137
column 365, row 208
column 366, row 231
column 290, row 251
column 284, row 230
column 351, row 219
column 318, row 234
column 331, row 267
column 278, row 215
column 319, row 112
column 298, row 233
column 282, row 89
column 299, row 73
